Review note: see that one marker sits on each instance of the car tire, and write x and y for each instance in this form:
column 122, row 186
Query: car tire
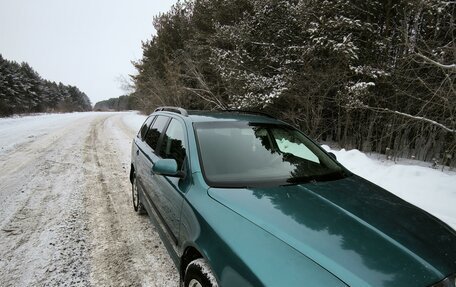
column 137, row 205
column 199, row 274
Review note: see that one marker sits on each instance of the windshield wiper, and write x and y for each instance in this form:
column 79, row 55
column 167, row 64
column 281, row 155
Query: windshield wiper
column 317, row 178
column 297, row 180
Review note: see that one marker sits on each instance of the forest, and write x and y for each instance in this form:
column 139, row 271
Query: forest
column 122, row 103
column 23, row 90
column 378, row 76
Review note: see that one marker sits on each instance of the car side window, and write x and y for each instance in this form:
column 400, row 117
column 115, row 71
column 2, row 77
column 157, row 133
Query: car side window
column 153, row 135
column 174, row 143
column 145, row 126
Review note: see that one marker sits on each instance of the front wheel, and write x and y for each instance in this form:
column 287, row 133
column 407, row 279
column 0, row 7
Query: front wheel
column 199, row 274
column 137, row 205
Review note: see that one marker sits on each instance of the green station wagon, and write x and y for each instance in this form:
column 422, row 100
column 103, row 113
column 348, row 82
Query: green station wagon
column 243, row 199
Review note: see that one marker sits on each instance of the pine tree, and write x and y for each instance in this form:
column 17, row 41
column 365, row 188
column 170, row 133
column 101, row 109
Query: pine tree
column 377, row 76
column 22, row 90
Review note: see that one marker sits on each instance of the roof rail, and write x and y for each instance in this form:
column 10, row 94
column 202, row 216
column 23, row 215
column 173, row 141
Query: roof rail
column 173, row 110
column 249, row 112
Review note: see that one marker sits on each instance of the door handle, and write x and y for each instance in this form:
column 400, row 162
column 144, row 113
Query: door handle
column 137, row 152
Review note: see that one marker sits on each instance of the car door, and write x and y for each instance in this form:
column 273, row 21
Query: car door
column 170, row 190
column 148, row 154
column 139, row 146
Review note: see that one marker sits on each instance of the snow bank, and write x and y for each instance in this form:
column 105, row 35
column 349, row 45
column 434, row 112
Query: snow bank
column 427, row 188
column 134, row 120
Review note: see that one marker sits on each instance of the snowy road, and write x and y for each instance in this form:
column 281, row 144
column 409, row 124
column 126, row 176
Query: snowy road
column 65, row 211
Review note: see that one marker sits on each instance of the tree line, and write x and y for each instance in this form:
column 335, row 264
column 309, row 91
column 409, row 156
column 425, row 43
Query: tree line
column 23, row 90
column 373, row 75
column 122, row 103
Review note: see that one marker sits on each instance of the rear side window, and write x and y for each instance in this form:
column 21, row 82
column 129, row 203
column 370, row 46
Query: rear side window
column 145, row 126
column 174, row 143
column 153, row 135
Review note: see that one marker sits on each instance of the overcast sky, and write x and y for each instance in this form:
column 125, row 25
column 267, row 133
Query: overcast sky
column 85, row 43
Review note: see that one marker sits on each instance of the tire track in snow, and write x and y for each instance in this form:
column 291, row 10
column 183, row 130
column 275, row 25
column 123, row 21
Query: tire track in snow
column 126, row 250
column 73, row 224
column 19, row 169
column 38, row 247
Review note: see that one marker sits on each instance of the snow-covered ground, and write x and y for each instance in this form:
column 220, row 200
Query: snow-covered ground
column 22, row 130
column 425, row 187
column 134, row 120
column 65, row 210
column 66, row 217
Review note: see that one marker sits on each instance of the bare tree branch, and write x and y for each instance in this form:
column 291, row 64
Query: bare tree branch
column 193, row 71
column 386, row 110
column 451, row 67
column 195, row 91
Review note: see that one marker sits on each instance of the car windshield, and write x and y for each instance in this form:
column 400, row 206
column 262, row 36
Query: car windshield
column 242, row 154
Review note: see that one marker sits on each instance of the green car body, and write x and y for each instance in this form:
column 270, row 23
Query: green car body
column 342, row 232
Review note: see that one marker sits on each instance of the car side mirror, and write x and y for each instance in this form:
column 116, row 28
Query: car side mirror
column 167, row 167
column 332, row 155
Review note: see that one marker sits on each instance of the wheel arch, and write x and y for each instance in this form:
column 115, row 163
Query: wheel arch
column 132, row 173
column 190, row 253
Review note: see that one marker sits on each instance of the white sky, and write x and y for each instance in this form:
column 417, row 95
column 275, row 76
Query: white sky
column 88, row 44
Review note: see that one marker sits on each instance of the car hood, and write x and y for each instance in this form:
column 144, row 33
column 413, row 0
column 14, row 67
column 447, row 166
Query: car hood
column 356, row 230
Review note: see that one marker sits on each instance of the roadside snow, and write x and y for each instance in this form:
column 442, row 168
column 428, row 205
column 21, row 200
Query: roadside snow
column 134, row 120
column 427, row 188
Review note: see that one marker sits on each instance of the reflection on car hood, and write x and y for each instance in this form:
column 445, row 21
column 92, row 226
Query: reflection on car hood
column 361, row 233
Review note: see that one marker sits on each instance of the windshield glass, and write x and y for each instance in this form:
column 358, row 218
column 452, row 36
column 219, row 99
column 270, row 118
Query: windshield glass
column 242, row 154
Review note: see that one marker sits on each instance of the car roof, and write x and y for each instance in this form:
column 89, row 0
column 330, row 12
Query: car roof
column 218, row 116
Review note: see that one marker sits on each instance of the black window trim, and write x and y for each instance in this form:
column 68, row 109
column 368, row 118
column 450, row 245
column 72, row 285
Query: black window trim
column 138, row 135
column 157, row 151
column 186, row 163
column 160, row 139
column 148, row 128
